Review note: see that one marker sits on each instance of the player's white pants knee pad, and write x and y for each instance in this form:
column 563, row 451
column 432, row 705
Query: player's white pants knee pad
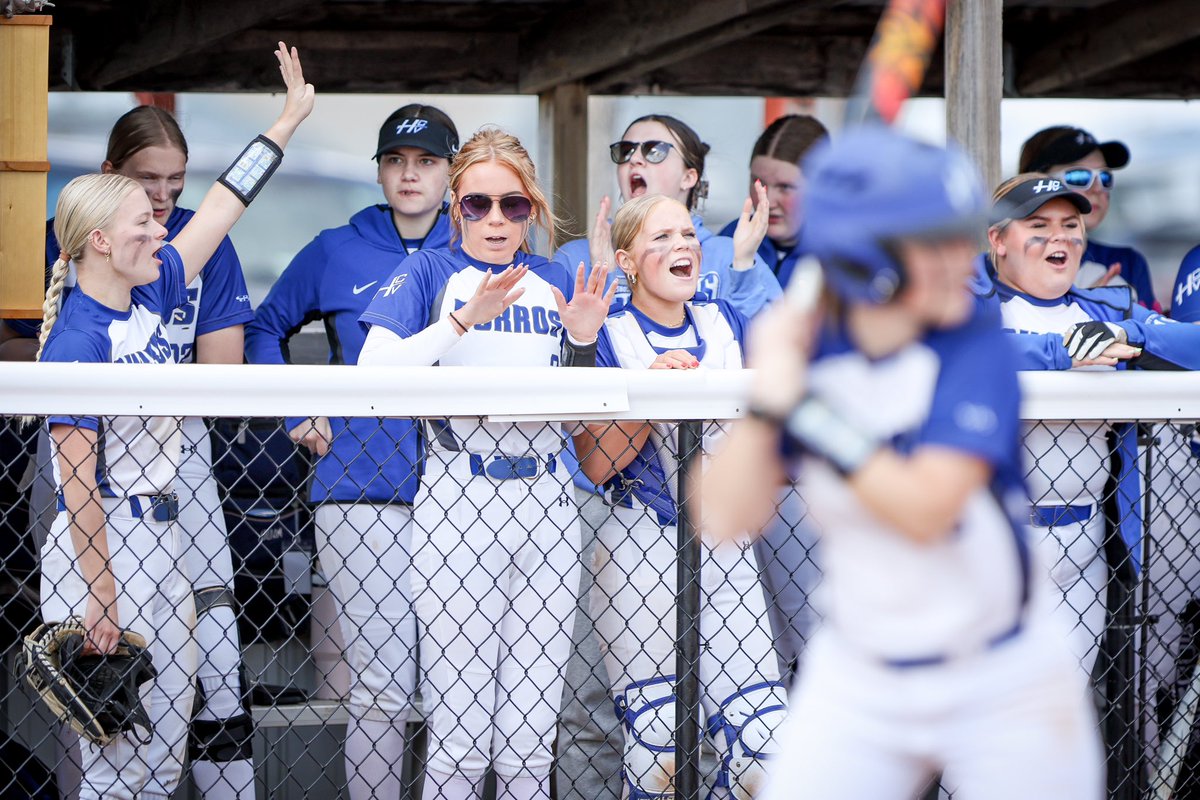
column 222, row 730
column 744, row 729
column 647, row 713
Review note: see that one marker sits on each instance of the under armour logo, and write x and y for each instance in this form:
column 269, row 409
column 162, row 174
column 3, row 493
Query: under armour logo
column 1047, row 186
column 412, row 126
column 563, row 500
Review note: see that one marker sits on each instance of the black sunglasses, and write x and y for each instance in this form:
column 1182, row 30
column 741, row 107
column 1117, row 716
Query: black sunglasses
column 515, row 207
column 654, row 152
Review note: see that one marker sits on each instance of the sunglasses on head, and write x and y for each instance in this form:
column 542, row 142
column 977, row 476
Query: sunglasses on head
column 654, row 152
column 1080, row 178
column 514, row 207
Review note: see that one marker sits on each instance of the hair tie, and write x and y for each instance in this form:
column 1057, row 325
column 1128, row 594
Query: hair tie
column 64, row 256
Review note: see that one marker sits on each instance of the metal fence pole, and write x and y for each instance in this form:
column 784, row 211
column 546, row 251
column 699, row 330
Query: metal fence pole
column 687, row 643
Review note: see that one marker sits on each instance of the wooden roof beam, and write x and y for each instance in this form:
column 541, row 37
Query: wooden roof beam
column 1134, row 32
column 168, row 30
column 607, row 36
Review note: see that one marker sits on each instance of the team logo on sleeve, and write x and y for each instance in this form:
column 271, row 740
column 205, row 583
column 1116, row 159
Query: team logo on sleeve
column 393, row 286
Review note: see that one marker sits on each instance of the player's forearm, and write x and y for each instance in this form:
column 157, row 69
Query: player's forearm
column 89, row 537
column 604, row 449
column 922, row 496
column 736, row 491
column 384, row 348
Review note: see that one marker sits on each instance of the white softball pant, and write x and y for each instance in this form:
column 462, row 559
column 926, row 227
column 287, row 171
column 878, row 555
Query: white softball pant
column 495, row 574
column 1014, row 721
column 1078, row 568
column 365, row 553
column 154, row 598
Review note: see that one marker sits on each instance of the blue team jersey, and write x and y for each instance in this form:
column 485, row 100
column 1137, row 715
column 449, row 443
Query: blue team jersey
column 139, row 454
column 780, row 259
column 333, row 279
column 1185, row 295
column 747, row 290
column 217, row 297
column 714, row 334
column 889, row 596
column 431, row 284
column 1135, row 272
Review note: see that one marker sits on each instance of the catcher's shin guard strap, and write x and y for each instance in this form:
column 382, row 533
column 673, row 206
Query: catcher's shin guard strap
column 252, row 169
column 212, row 597
column 221, row 741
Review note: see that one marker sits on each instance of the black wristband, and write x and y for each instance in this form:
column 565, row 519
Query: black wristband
column 755, row 411
column 578, row 355
column 251, row 170
column 825, row 433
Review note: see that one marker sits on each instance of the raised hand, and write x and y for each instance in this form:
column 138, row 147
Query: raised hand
column 298, row 103
column 600, row 239
column 494, row 294
column 584, row 315
column 751, row 228
column 1112, row 272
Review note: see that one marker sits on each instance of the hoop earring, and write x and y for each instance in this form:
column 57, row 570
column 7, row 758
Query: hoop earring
column 631, row 279
column 108, row 257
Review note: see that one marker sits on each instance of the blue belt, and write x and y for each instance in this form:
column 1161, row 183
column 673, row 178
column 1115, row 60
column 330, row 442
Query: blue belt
column 505, row 468
column 159, row 507
column 1051, row 516
column 935, row 660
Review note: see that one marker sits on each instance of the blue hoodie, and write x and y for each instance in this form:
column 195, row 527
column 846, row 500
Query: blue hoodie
column 746, row 290
column 781, row 261
column 333, row 279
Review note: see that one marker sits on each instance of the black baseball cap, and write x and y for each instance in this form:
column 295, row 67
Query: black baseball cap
column 1029, row 195
column 1063, row 144
column 407, row 127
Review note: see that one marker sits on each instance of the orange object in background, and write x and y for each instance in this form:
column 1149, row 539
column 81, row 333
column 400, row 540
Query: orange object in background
column 163, row 100
column 777, row 107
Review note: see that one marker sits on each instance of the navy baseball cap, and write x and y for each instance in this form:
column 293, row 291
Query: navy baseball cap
column 416, row 130
column 1028, row 196
column 1063, row 144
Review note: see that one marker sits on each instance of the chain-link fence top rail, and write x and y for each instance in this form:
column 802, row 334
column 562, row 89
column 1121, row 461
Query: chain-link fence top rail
column 508, row 620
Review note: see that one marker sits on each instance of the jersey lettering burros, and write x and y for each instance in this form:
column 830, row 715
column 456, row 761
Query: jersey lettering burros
column 529, row 334
column 140, row 455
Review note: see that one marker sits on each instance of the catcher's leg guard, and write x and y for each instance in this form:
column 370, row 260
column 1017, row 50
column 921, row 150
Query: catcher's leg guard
column 744, row 730
column 647, row 712
column 221, row 741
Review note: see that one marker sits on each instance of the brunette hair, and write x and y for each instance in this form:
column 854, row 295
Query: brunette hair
column 789, row 138
column 142, row 127
column 691, row 149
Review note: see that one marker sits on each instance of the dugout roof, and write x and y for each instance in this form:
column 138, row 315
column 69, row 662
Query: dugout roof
column 1090, row 48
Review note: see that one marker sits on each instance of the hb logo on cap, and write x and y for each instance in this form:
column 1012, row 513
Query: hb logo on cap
column 412, row 126
column 1047, row 186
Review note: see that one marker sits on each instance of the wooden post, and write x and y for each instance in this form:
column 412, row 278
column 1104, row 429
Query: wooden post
column 975, row 81
column 24, row 78
column 563, row 140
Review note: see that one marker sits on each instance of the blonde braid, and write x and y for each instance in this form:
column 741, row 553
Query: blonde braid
column 58, row 277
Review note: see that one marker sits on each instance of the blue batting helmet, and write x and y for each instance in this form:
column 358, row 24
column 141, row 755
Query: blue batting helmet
column 872, row 186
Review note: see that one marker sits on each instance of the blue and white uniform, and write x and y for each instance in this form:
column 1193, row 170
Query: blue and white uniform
column 633, row 601
column 137, row 464
column 779, row 259
column 940, row 655
column 364, row 486
column 495, row 530
column 216, row 299
column 746, row 290
column 1069, row 461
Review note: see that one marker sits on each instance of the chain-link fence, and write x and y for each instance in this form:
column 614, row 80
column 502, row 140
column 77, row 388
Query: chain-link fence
column 465, row 605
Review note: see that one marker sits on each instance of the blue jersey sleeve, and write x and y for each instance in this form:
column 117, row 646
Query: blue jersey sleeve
column 751, row 290
column 293, row 302
column 75, row 346
column 170, row 290
column 1166, row 344
column 404, row 305
column 225, row 301
column 1185, row 295
column 1137, row 273
column 976, row 402
column 1036, row 351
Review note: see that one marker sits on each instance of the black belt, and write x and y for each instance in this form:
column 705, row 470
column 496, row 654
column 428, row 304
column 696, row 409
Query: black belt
column 159, row 507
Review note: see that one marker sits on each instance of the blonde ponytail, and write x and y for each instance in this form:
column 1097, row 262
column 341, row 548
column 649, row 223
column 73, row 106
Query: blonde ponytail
column 86, row 204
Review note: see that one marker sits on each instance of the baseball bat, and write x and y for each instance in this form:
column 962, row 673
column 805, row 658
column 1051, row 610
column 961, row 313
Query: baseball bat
column 895, row 64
